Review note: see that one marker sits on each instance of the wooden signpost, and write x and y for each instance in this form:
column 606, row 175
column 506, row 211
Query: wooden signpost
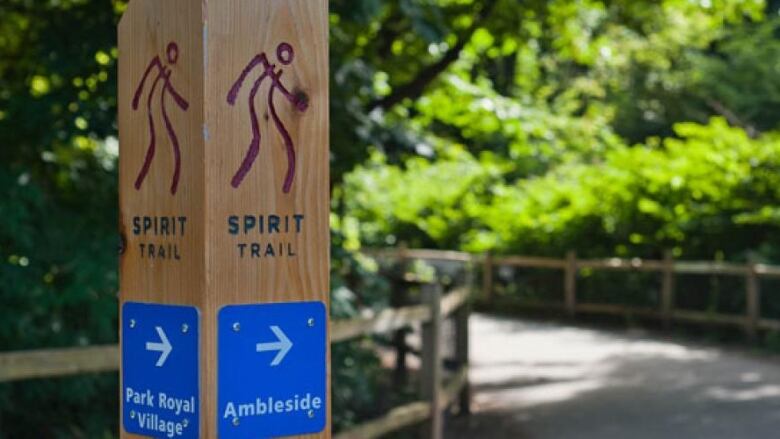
column 224, row 217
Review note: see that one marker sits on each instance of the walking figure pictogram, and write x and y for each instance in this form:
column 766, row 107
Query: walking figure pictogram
column 285, row 55
column 162, row 72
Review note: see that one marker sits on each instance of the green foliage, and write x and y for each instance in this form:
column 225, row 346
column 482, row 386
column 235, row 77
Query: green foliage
column 533, row 127
column 57, row 207
column 356, row 373
column 711, row 190
column 693, row 194
column 562, row 126
column 56, row 268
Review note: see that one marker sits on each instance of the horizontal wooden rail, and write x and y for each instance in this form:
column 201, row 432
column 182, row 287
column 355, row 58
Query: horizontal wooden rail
column 769, row 271
column 453, row 301
column 438, row 255
column 620, row 264
column 751, row 320
column 425, row 254
column 772, row 325
column 696, row 267
column 396, row 419
column 385, row 321
column 49, row 363
column 608, row 308
column 709, row 317
column 530, row 262
column 409, row 414
column 451, row 389
column 15, row 366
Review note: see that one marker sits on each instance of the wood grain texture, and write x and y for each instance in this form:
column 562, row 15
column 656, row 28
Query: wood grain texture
column 570, row 283
column 142, row 37
column 146, row 30
column 383, row 322
column 25, row 365
column 394, row 420
column 216, row 41
column 237, row 31
column 431, row 369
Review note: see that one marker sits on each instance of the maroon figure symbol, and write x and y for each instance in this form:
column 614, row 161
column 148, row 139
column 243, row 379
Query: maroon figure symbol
column 285, row 55
column 162, row 72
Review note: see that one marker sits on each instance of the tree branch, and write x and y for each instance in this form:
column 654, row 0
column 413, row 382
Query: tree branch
column 732, row 117
column 417, row 86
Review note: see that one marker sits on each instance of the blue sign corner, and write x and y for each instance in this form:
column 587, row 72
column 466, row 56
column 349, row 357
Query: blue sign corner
column 160, row 370
column 272, row 370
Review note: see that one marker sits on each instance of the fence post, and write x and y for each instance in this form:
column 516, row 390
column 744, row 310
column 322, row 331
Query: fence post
column 487, row 278
column 667, row 289
column 431, row 369
column 462, row 341
column 399, row 299
column 753, row 302
column 570, row 283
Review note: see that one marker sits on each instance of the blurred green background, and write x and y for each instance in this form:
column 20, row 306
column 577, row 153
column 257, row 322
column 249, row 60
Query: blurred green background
column 614, row 128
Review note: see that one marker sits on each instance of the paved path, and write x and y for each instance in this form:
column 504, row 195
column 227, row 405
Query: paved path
column 545, row 381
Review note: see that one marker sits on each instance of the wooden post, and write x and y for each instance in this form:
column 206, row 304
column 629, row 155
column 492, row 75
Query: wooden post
column 224, row 172
column 462, row 353
column 487, row 279
column 753, row 302
column 431, row 369
column 462, row 337
column 667, row 289
column 399, row 298
column 570, row 283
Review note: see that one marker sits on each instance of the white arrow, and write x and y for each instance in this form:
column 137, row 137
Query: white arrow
column 283, row 346
column 163, row 348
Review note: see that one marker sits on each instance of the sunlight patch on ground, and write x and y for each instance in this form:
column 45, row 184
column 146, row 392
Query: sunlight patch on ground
column 753, row 394
column 548, row 381
column 522, row 364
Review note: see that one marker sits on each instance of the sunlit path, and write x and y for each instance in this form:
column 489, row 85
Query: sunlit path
column 538, row 380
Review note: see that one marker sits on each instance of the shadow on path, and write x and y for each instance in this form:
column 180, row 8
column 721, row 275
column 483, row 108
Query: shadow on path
column 537, row 381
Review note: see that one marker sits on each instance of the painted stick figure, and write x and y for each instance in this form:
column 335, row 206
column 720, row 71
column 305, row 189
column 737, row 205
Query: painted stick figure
column 163, row 73
column 285, row 55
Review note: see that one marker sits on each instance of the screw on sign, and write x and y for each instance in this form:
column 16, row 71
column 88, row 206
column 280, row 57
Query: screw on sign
column 272, row 370
column 285, row 55
column 163, row 73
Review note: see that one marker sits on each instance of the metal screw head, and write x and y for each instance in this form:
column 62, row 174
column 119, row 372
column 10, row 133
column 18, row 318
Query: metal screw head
column 185, row 328
column 310, row 323
column 236, row 327
column 236, row 422
column 132, row 414
column 132, row 323
column 185, row 423
column 311, row 413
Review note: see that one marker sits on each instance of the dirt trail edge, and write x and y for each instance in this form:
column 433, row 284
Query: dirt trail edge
column 545, row 381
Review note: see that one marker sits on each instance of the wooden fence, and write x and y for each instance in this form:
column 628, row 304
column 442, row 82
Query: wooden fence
column 751, row 320
column 437, row 391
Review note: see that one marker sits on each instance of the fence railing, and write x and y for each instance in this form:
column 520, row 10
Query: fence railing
column 436, row 393
column 751, row 320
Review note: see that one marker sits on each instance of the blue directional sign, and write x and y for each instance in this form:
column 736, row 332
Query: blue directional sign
column 272, row 370
column 160, row 379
